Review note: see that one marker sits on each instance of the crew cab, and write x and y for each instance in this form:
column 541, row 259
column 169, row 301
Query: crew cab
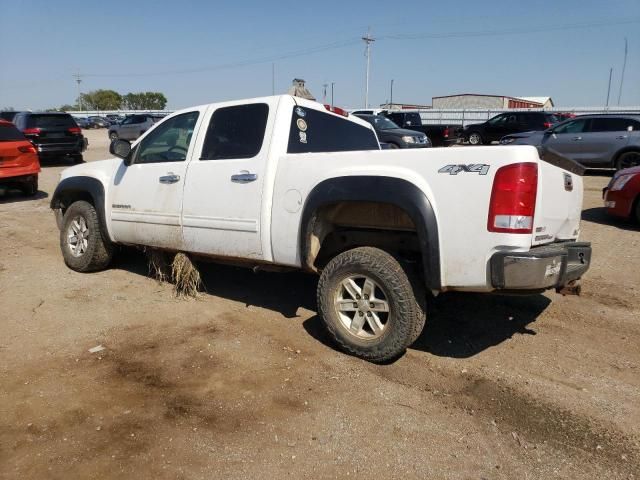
column 286, row 182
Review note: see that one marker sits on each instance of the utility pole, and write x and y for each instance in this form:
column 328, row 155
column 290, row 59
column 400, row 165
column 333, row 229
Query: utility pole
column 332, row 84
column 324, row 92
column 78, row 78
column 391, row 101
column 609, row 89
column 624, row 65
column 368, row 40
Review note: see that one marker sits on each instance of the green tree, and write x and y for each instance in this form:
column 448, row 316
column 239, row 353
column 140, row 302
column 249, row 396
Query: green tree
column 145, row 101
column 67, row 108
column 101, row 100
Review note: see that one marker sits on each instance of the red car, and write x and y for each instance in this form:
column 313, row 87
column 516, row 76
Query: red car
column 19, row 164
column 622, row 195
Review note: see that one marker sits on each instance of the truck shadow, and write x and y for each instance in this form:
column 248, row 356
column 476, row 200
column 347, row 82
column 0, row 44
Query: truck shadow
column 459, row 325
column 11, row 195
column 599, row 215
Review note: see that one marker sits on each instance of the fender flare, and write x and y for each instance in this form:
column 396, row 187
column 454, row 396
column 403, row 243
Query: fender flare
column 394, row 191
column 83, row 185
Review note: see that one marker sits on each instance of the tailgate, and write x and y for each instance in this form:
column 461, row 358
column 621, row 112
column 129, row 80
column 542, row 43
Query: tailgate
column 558, row 204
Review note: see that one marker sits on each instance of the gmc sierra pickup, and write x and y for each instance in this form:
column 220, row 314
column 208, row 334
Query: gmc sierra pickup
column 283, row 181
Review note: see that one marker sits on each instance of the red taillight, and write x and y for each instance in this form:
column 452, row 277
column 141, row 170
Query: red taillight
column 337, row 110
column 513, row 198
column 31, row 131
column 75, row 130
column 445, row 133
column 27, row 149
column 547, row 124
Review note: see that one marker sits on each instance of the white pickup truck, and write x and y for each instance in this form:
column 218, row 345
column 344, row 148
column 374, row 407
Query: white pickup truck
column 283, row 181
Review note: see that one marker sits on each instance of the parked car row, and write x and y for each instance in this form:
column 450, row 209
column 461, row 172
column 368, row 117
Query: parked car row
column 605, row 140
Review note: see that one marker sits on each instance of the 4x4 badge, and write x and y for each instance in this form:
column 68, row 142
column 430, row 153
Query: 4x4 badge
column 479, row 168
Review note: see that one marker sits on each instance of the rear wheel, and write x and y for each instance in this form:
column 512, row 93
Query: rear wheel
column 369, row 305
column 113, row 135
column 82, row 242
column 628, row 160
column 30, row 187
column 475, row 138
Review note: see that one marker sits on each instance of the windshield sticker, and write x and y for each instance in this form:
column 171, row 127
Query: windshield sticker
column 300, row 112
column 302, row 125
column 303, row 137
column 479, row 168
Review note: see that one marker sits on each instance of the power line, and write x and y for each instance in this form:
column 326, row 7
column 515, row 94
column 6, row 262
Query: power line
column 508, row 31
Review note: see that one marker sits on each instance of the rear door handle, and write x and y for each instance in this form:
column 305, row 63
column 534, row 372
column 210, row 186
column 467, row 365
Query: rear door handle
column 621, row 137
column 576, row 138
column 169, row 178
column 244, row 177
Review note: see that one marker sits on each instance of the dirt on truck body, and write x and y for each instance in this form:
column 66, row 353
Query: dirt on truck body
column 244, row 383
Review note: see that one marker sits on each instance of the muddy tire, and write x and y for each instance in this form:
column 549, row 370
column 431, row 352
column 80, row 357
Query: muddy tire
column 370, row 305
column 83, row 244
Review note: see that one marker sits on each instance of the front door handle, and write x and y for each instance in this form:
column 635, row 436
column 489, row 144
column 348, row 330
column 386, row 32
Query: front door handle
column 169, row 178
column 576, row 138
column 244, row 177
column 621, row 137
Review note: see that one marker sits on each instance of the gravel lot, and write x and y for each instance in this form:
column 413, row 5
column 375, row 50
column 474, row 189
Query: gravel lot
column 242, row 382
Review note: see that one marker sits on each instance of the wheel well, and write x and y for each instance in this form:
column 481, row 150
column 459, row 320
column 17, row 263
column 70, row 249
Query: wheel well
column 342, row 226
column 65, row 199
column 624, row 150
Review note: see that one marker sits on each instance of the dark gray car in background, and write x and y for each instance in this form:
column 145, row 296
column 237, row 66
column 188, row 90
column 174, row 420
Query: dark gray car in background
column 605, row 140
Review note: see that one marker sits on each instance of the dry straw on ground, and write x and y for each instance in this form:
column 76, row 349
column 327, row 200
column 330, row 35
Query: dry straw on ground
column 177, row 268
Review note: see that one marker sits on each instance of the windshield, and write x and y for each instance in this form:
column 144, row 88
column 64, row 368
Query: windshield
column 381, row 123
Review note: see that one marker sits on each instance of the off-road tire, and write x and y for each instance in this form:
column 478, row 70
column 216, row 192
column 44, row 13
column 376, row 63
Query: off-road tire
column 406, row 300
column 30, row 188
column 99, row 250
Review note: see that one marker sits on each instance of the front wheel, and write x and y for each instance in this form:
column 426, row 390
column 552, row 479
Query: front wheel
column 82, row 242
column 369, row 304
column 475, row 138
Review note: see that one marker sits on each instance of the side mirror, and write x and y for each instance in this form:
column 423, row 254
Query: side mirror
column 122, row 149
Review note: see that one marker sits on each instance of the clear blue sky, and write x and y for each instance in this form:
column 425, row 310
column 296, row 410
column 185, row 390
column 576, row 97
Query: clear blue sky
column 144, row 45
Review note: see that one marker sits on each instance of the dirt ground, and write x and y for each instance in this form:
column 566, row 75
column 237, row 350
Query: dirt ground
column 243, row 383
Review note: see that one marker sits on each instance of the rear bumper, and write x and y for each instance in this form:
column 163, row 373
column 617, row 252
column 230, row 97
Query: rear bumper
column 549, row 266
column 75, row 148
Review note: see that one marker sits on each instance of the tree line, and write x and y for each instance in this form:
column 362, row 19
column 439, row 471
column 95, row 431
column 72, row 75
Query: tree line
column 112, row 100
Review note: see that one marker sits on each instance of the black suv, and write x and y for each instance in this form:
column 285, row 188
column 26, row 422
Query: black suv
column 507, row 123
column 53, row 134
column 8, row 115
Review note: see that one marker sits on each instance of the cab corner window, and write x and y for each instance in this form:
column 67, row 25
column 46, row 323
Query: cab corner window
column 236, row 132
column 169, row 141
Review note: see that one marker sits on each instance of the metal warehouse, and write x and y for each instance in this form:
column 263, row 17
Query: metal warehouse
column 472, row 100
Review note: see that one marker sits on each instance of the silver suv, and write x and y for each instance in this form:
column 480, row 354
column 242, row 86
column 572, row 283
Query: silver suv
column 605, row 140
column 133, row 126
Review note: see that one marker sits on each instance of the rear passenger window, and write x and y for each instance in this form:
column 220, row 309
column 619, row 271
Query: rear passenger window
column 611, row 124
column 314, row 131
column 236, row 132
